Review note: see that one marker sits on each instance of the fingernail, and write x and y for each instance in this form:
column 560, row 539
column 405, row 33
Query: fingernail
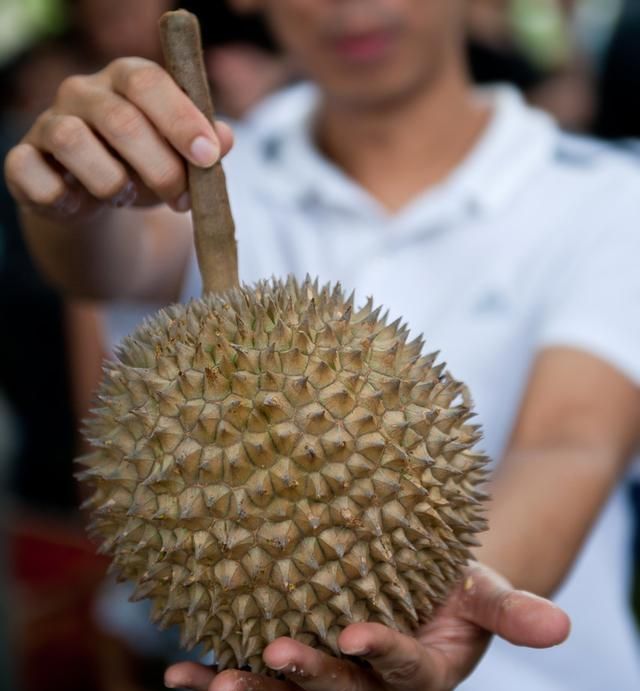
column 125, row 197
column 204, row 151
column 182, row 203
column 68, row 204
column 279, row 668
column 355, row 651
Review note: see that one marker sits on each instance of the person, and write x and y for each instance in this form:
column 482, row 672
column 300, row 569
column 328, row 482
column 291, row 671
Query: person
column 618, row 104
column 512, row 246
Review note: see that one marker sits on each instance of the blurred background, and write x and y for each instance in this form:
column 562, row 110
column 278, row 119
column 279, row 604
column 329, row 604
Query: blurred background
column 63, row 623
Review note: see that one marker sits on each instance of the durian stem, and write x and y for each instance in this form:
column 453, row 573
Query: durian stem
column 212, row 220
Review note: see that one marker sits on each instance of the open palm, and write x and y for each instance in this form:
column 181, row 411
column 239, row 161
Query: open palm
column 438, row 657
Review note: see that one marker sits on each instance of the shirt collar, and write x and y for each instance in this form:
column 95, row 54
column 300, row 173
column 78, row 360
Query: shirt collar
column 516, row 142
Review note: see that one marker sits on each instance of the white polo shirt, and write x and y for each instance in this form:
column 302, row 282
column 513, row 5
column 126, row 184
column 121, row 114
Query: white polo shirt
column 533, row 241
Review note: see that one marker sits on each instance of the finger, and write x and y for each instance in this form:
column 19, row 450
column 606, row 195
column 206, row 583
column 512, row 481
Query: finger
column 234, row 680
column 42, row 189
column 314, row 670
column 154, row 92
column 400, row 661
column 188, row 675
column 126, row 129
column 517, row 616
column 72, row 143
column 31, row 179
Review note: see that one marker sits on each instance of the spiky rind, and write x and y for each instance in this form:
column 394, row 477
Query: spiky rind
column 274, row 462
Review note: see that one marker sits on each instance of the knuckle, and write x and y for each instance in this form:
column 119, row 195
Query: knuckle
column 41, row 122
column 123, row 120
column 66, row 133
column 71, row 87
column 117, row 66
column 142, row 78
column 121, row 66
column 118, row 69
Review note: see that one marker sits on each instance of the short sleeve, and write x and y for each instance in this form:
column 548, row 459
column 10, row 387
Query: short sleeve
column 593, row 300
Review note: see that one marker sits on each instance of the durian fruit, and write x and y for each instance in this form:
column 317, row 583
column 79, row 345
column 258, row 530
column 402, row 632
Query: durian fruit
column 273, row 462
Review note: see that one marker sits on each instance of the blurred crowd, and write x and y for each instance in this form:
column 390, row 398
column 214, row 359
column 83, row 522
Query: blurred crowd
column 575, row 58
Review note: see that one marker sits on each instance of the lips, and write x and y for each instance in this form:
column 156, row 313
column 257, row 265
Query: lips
column 364, row 48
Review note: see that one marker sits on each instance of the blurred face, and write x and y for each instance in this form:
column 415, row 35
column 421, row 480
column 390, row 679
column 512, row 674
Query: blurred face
column 368, row 52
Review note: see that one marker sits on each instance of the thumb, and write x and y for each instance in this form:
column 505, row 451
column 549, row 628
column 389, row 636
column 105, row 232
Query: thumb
column 489, row 601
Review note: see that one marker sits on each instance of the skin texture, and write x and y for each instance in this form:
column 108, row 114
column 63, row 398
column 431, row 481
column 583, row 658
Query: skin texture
column 570, row 447
column 441, row 654
column 397, row 125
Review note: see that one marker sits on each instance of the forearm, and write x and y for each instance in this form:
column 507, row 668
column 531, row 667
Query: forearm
column 118, row 254
column 544, row 502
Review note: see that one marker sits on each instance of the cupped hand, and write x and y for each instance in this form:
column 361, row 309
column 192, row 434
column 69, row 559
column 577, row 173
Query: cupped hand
column 118, row 137
column 439, row 656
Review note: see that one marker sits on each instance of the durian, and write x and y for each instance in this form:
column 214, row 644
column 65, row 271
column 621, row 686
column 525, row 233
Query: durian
column 273, row 461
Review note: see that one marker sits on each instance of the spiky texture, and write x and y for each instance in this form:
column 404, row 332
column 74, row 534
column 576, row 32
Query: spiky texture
column 274, row 463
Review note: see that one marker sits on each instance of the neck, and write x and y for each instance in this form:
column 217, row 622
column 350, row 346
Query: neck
column 398, row 151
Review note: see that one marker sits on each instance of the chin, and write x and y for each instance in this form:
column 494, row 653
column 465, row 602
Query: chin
column 374, row 93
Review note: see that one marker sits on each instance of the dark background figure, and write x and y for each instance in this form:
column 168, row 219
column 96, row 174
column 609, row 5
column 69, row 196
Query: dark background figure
column 549, row 66
column 618, row 115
